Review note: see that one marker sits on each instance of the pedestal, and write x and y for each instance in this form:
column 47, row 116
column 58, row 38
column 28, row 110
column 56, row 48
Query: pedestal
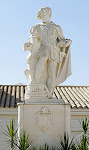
column 44, row 120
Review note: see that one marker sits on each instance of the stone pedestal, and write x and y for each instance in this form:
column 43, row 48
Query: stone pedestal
column 44, row 120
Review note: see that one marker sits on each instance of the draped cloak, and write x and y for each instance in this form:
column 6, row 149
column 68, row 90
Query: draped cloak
column 64, row 68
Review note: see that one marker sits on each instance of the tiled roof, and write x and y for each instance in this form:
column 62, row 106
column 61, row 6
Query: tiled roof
column 10, row 95
column 77, row 96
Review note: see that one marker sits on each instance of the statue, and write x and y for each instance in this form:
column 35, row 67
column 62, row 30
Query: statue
column 49, row 61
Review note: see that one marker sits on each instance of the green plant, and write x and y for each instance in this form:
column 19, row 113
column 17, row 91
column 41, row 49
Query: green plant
column 25, row 143
column 85, row 123
column 46, row 147
column 83, row 142
column 10, row 134
column 22, row 143
column 64, row 143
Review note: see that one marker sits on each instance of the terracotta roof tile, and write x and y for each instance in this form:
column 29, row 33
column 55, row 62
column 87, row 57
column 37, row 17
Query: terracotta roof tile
column 77, row 96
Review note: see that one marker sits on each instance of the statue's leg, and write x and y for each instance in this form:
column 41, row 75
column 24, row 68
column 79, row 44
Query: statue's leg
column 40, row 67
column 43, row 53
column 51, row 76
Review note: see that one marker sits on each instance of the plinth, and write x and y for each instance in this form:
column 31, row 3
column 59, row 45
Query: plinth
column 44, row 120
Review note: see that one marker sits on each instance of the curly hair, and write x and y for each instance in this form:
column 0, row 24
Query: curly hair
column 45, row 10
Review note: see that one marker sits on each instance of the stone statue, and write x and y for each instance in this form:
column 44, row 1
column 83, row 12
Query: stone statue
column 49, row 61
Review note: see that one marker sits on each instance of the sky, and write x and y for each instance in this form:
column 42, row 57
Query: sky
column 16, row 19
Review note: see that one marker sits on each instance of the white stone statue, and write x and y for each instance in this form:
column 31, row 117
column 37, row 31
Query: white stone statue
column 49, row 62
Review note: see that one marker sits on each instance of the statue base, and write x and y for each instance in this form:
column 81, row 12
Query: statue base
column 36, row 91
column 44, row 121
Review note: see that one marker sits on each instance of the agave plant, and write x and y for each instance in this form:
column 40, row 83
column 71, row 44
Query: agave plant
column 64, row 143
column 83, row 142
column 25, row 143
column 10, row 134
column 85, row 124
column 21, row 143
column 46, row 147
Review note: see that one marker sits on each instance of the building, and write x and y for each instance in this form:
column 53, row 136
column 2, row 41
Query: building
column 76, row 96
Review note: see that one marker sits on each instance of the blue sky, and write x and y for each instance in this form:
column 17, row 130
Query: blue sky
column 16, row 19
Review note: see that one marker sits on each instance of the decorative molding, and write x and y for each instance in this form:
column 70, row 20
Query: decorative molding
column 8, row 111
column 80, row 112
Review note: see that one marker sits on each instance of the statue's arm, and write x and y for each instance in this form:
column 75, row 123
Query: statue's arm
column 62, row 42
column 60, row 33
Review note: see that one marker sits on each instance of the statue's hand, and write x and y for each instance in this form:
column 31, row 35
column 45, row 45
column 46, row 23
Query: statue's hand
column 64, row 43
column 68, row 43
column 28, row 46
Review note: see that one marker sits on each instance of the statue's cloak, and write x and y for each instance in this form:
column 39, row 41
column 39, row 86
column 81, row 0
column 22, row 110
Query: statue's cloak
column 64, row 68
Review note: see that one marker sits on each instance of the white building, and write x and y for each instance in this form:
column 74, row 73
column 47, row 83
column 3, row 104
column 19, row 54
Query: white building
column 76, row 96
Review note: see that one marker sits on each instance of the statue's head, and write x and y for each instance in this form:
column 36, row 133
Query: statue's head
column 44, row 14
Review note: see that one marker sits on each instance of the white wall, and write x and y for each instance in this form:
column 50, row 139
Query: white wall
column 6, row 114
column 76, row 116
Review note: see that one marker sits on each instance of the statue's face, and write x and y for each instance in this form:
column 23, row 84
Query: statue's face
column 43, row 15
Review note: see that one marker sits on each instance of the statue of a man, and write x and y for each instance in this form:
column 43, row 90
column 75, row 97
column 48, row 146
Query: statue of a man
column 49, row 60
